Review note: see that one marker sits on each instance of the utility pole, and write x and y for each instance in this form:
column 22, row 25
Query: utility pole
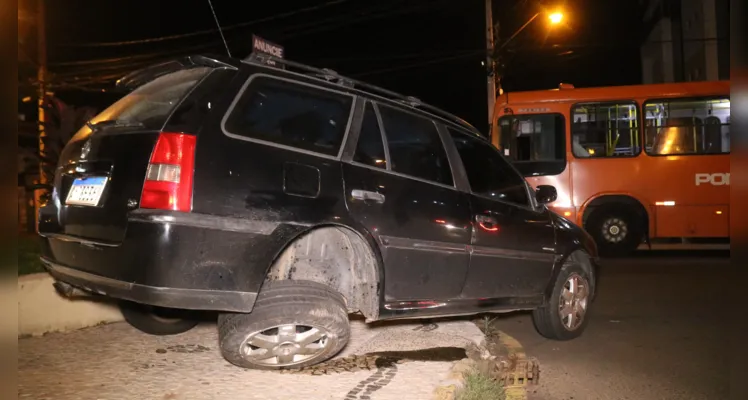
column 490, row 67
column 41, row 38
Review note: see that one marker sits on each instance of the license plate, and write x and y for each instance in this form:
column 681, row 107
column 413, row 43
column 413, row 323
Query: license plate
column 86, row 191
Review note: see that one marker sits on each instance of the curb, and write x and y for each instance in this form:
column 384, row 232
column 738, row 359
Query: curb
column 448, row 391
column 42, row 310
column 515, row 391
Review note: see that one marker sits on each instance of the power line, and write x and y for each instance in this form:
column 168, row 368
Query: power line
column 419, row 64
column 161, row 54
column 303, row 29
column 104, row 60
column 101, row 70
column 157, row 56
column 28, row 58
column 142, row 59
column 135, row 57
column 321, row 26
column 107, row 75
column 610, row 45
column 407, row 56
column 207, row 31
column 89, row 67
column 111, row 73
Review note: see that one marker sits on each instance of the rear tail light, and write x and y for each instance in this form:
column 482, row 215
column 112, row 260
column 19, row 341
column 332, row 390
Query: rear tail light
column 168, row 181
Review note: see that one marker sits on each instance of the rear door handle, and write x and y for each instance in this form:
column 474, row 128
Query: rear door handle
column 359, row 194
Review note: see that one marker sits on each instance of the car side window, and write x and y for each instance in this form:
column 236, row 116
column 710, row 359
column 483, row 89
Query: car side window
column 370, row 146
column 415, row 146
column 293, row 115
column 488, row 173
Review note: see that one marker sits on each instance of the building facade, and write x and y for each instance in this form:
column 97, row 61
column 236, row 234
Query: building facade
column 688, row 40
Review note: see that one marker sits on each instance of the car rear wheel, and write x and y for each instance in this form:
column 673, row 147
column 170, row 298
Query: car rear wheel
column 294, row 324
column 157, row 320
column 565, row 315
column 617, row 230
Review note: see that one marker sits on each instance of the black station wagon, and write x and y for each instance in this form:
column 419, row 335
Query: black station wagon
column 286, row 197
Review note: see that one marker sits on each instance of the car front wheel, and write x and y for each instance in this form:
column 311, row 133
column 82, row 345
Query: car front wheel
column 565, row 315
column 294, row 324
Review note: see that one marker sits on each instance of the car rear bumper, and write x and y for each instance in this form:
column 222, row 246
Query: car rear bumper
column 191, row 299
column 171, row 259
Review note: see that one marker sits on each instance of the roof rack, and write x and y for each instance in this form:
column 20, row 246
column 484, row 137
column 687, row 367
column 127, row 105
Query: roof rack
column 332, row 76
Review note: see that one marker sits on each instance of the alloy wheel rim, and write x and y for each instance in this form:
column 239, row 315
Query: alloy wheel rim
column 285, row 345
column 572, row 305
column 615, row 230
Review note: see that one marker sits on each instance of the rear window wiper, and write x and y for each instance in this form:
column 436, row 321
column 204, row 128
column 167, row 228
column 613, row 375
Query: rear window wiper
column 113, row 122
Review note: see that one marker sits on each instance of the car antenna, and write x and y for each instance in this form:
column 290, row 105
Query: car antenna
column 219, row 28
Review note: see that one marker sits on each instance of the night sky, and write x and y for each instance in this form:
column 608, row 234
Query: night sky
column 431, row 49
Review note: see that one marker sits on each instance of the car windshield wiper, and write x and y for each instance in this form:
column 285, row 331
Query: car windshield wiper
column 113, row 122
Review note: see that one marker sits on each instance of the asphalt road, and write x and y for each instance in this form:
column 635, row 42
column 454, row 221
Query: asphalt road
column 658, row 330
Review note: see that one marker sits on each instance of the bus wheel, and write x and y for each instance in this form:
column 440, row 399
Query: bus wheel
column 616, row 229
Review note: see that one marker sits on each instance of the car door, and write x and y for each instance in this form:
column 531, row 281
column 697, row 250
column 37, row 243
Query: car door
column 399, row 186
column 513, row 241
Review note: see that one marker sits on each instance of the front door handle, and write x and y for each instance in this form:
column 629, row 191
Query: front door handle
column 359, row 194
column 487, row 222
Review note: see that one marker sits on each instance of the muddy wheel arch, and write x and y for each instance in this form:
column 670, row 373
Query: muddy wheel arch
column 338, row 257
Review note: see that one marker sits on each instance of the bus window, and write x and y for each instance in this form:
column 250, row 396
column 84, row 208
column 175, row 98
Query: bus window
column 535, row 143
column 687, row 126
column 605, row 130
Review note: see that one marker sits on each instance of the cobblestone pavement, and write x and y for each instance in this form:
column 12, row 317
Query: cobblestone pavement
column 118, row 362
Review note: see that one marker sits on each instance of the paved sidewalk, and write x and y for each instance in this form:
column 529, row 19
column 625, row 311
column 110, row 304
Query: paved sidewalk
column 117, row 362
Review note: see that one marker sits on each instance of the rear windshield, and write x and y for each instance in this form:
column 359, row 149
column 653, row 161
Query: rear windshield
column 152, row 103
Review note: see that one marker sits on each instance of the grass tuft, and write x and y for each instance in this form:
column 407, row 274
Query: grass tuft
column 480, row 385
column 488, row 327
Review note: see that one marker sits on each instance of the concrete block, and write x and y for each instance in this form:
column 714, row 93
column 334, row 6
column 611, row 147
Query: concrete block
column 41, row 309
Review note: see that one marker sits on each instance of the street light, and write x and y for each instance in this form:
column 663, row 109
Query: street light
column 556, row 17
column 494, row 80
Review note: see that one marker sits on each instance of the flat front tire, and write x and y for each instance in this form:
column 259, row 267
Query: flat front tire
column 294, row 324
column 565, row 315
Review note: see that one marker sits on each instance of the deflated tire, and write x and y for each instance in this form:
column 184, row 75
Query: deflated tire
column 294, row 324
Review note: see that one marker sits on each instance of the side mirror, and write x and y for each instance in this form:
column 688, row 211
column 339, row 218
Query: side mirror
column 545, row 194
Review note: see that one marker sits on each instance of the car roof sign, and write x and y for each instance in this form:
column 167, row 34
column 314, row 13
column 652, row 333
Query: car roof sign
column 264, row 51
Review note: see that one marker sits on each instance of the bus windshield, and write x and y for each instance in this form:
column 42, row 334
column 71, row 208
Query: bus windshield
column 534, row 143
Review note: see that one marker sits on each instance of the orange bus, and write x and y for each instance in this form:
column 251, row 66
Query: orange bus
column 633, row 165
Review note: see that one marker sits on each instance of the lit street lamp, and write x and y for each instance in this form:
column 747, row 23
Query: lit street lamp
column 555, row 19
column 494, row 80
